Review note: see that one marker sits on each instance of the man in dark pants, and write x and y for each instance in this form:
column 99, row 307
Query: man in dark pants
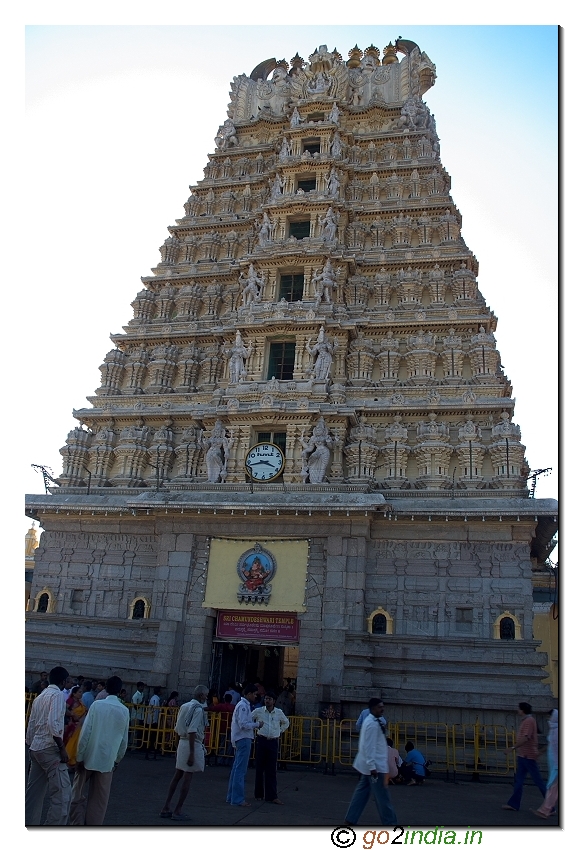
column 526, row 755
column 266, row 746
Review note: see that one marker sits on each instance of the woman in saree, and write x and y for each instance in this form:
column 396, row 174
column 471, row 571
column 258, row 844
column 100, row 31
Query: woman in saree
column 76, row 712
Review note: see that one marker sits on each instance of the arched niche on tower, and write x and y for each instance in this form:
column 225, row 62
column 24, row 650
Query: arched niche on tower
column 379, row 622
column 507, row 627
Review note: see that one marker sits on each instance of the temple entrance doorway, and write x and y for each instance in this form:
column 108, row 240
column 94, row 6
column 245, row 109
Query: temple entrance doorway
column 249, row 662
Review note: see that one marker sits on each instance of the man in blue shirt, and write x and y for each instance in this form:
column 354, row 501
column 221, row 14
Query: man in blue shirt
column 413, row 768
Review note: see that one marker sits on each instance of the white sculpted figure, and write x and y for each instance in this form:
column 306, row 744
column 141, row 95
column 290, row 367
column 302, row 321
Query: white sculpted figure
column 252, row 286
column 316, row 453
column 336, row 147
column 333, row 183
column 334, row 115
column 324, row 282
column 238, row 354
column 265, row 231
column 323, row 351
column 226, row 136
column 276, row 187
column 329, row 224
column 295, row 119
column 285, row 150
column 319, row 84
column 218, row 447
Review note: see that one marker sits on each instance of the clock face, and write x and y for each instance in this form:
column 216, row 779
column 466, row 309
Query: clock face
column 264, row 462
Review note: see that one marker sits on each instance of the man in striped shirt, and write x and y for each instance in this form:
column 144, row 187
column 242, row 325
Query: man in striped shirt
column 48, row 756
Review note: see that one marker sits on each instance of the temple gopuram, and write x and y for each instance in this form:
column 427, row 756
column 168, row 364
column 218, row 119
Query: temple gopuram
column 302, row 461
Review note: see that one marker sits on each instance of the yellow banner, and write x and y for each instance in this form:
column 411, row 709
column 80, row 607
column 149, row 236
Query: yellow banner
column 261, row 574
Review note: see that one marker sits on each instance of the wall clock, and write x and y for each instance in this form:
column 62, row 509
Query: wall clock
column 264, row 462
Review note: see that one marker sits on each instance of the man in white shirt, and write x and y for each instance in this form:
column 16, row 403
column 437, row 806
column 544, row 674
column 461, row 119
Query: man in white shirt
column 242, row 729
column 372, row 762
column 102, row 745
column 48, row 756
column 266, row 745
column 190, row 728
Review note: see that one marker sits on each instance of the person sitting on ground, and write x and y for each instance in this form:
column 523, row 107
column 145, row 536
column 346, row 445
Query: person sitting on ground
column 413, row 768
column 395, row 761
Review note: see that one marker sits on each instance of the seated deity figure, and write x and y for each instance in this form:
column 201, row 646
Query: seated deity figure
column 316, row 453
column 252, row 286
column 324, row 282
column 323, row 351
column 226, row 136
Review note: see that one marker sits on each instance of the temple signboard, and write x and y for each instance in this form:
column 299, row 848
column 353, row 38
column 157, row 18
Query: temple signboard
column 272, row 626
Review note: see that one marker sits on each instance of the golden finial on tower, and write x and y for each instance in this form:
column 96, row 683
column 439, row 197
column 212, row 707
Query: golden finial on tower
column 390, row 54
column 355, row 55
column 374, row 52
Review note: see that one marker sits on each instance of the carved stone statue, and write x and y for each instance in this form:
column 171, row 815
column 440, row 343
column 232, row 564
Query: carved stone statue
column 333, row 183
column 252, row 286
column 329, row 224
column 285, row 150
column 323, row 352
column 218, row 447
column 295, row 119
column 237, row 355
column 334, row 115
column 226, row 136
column 336, row 146
column 276, row 187
column 324, row 282
column 265, row 231
column 316, row 453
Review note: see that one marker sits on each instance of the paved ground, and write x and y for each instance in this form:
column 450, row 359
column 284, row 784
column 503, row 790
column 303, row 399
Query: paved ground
column 311, row 798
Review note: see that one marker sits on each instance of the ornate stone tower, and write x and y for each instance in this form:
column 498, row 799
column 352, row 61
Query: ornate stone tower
column 316, row 295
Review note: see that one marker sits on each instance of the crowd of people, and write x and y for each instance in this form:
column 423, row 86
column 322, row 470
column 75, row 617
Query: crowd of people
column 78, row 732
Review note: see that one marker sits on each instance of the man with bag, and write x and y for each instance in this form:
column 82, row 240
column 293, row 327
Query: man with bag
column 372, row 762
column 190, row 728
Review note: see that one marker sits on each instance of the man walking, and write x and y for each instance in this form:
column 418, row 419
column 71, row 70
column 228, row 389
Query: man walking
column 242, row 728
column 526, row 755
column 190, row 728
column 48, row 756
column 102, row 745
column 372, row 762
column 266, row 745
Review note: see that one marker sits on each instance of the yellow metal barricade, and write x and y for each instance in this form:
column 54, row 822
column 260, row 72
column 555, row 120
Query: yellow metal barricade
column 28, row 701
column 305, row 741
column 479, row 749
column 474, row 749
column 431, row 739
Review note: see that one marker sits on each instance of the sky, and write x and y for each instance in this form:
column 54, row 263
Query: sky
column 123, row 100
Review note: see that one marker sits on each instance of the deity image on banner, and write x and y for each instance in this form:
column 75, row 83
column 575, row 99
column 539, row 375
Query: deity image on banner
column 256, row 567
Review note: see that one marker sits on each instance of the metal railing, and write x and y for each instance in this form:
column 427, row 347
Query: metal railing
column 475, row 749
